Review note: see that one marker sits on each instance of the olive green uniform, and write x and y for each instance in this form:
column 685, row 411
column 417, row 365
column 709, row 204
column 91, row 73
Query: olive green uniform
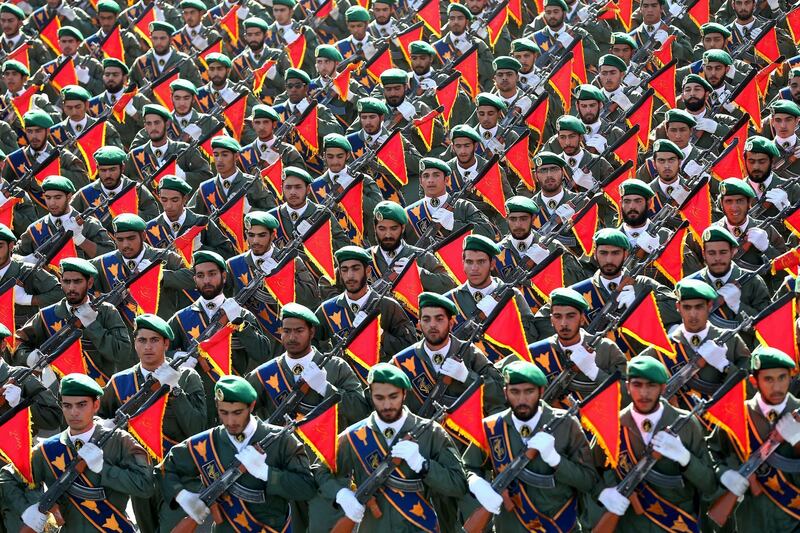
column 91, row 229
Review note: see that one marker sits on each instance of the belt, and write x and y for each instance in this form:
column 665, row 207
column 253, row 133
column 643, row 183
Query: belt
column 82, row 492
column 582, row 387
column 537, row 480
column 702, row 386
column 245, row 494
column 720, row 322
column 405, row 485
column 567, row 240
column 664, row 480
column 784, row 464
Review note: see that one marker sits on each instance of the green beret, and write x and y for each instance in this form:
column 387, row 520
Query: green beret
column 479, row 243
column 665, row 145
column 16, row 66
column 556, row 3
column 183, row 85
column 521, row 204
column 155, row 109
column 58, row 183
column 694, row 289
column 680, row 115
column 6, row 234
column 491, row 100
column 76, row 264
column 649, row 368
column 525, row 45
column 464, row 130
column 394, row 76
column 265, row 111
column 717, row 56
column 765, row 357
column 158, row 25
column 389, row 210
column 256, row 22
column 154, row 323
column 736, row 187
column 372, row 105
column 713, row 27
column 570, row 123
column 69, row 31
column 548, row 158
column 79, row 385
column 174, row 183
column 226, row 143
column 192, row 4
column 794, row 73
column 110, row 155
column 108, row 6
column 287, row 3
column 4, row 331
column 589, row 92
column 619, row 37
column 297, row 172
column 568, row 297
column 698, row 79
column 636, row 187
column 761, row 145
column 387, row 2
column 356, row 14
column 610, row 60
column 13, row 10
column 432, row 299
column 234, row 389
column 433, row 162
column 785, row 106
column 37, row 118
column 297, row 74
column 389, row 374
column 612, row 237
column 519, row 372
column 128, row 222
column 336, row 140
column 75, row 92
column 352, row 253
column 328, row 51
column 206, row 256
column 260, row 218
column 421, row 47
column 113, row 62
column 295, row 310
column 719, row 234
column 222, row 59
column 507, row 63
column 464, row 10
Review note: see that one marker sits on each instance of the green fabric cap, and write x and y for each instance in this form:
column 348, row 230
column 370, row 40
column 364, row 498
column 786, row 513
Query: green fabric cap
column 183, row 85
column 159, row 25
column 110, row 155
column 328, row 51
column 234, row 389
column 636, row 187
column 432, row 299
column 589, row 92
column 287, row 3
column 619, row 37
column 698, row 79
column 764, row 358
column 525, row 45
column 205, row 256
column 75, row 92
column 352, row 253
column 389, row 210
column 174, row 183
column 192, row 4
column 785, row 106
column 649, row 368
column 795, row 73
column 356, row 14
column 76, row 264
column 222, row 59
column 79, row 385
column 610, row 60
column 717, row 56
column 389, row 374
column 433, row 162
column 58, row 183
column 37, row 118
column 713, row 27
column 568, row 297
column 156, row 109
column 519, row 372
column 694, row 289
column 479, row 243
column 256, row 22
column 108, row 6
column 719, row 234
column 260, row 218
column 6, row 234
column 548, row 158
column 128, row 222
column 570, row 123
column 761, row 145
column 4, row 332
column 336, row 140
column 421, row 47
column 680, row 115
column 507, row 63
column 521, row 204
column 298, row 172
column 265, row 111
column 394, row 76
column 13, row 10
column 372, row 105
column 464, row 130
column 16, row 66
column 296, row 310
column 556, row 3
column 464, row 10
column 226, row 143
column 113, row 62
column 491, row 100
column 154, row 323
column 296, row 74
column 736, row 187
column 665, row 145
column 69, row 31
column 612, row 237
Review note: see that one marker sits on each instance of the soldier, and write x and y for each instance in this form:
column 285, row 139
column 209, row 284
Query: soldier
column 773, row 192
column 457, row 41
column 260, row 497
column 183, row 414
column 163, row 57
column 113, row 473
column 359, row 41
column 115, row 80
column 654, row 27
column 88, row 70
column 220, row 92
column 716, row 66
column 68, row 16
column 662, row 171
column 526, row 52
column 747, row 26
column 489, row 113
column 285, row 31
column 695, row 95
column 15, row 77
column 584, row 167
column 267, row 149
column 556, row 35
column 24, row 213
column 506, row 84
column 784, row 119
column 193, row 36
column 167, row 12
column 107, row 14
column 328, row 58
column 600, row 133
column 714, row 37
column 12, row 19
column 255, row 55
column 550, row 485
column 619, row 96
column 678, row 127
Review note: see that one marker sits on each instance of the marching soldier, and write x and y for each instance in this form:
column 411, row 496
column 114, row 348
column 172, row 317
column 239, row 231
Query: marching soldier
column 328, row 58
column 285, row 31
column 255, row 55
column 600, row 132
column 163, row 57
column 88, row 70
column 783, row 122
column 220, row 91
column 619, row 96
column 115, row 80
column 773, row 192
column 715, row 36
column 662, row 172
column 654, row 27
column 193, row 36
column 457, row 41
column 679, row 127
column 107, row 13
column 267, row 149
column 15, row 77
column 13, row 19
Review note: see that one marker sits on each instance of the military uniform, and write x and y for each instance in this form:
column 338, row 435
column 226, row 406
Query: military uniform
column 143, row 161
column 208, row 124
column 420, row 215
column 149, row 67
column 130, row 44
column 260, row 154
column 326, row 184
column 326, row 123
column 161, row 232
column 96, row 195
column 432, row 274
column 47, row 226
column 44, row 409
column 127, row 126
column 247, row 61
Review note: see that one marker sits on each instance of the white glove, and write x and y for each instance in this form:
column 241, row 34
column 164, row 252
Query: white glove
column 83, row 74
column 166, row 375
column 583, row 14
column 445, row 218
column 565, row 39
column 584, row 360
column 232, row 309
column 647, row 242
column 789, row 429
column 243, row 12
column 427, row 83
column 70, row 224
column 191, row 503
column 3, row 198
column 407, row 110
column 778, row 198
column 408, row 451
column 732, row 296
column 626, row 296
column 108, row 423
column 369, row 49
column 193, row 131
column 255, row 462
column 334, row 14
column 485, row 494
column 661, row 36
column 692, row 168
column 546, row 444
column 21, row 297
column 534, row 80
column 758, row 238
column 228, row 94
column 93, row 455
column 399, row 264
column 12, row 394
column 536, row 253
column 631, row 79
column 34, row 519
column 714, row 354
column 564, row 212
column 614, row 501
column 316, row 377
column 144, row 263
column 493, row 145
column 679, row 194
column 33, row 358
column 707, row 124
column 730, row 107
column 773, row 4
column 66, row 12
column 30, row 258
column 272, row 72
column 352, row 508
column 598, row 142
column 86, row 314
column 180, row 173
column 487, row 305
column 735, row 482
column 621, row 100
column 671, row 447
column 290, row 35
column 360, row 317
column 675, row 9
column 130, row 109
column 584, row 179
column 455, row 369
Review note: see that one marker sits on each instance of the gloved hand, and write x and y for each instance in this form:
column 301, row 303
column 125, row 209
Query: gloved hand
column 584, row 360
column 130, row 109
column 144, row 263
column 730, row 107
column 583, row 14
column 487, row 305
column 564, row 212
column 647, row 242
column 12, row 394
column 536, row 253
column 758, row 238
column 232, row 308
column 675, row 9
column 399, row 264
column 191, row 503
column 773, row 4
column 706, row 124
column 272, row 72
column 732, row 296
column 626, row 296
column 316, row 377
column 714, row 354
column 369, row 49
column 631, row 79
column 3, row 198
column 70, row 224
column 692, row 168
column 352, row 508
column 614, row 501
column 34, row 519
column 679, row 194
column 33, row 358
column 228, row 94
column 735, row 482
column 778, row 198
column 796, row 150
column 598, row 142
column 408, row 451
column 485, row 494
column 189, row 363
column 193, row 131
column 66, row 12
column 661, row 36
column 671, row 447
column 565, row 39
column 534, row 80
column 82, row 73
column 427, row 83
column 290, row 36
column 21, row 297
column 407, row 110
column 166, row 375
column 493, row 145
column 255, row 462
column 622, row 101
column 93, row 455
column 86, row 314
column 545, row 443
column 243, row 12
column 583, row 179
column 789, row 429
column 455, row 369
column 445, row 218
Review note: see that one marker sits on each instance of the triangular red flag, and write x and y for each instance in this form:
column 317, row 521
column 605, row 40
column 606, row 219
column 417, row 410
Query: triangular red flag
column 579, row 64
column 184, row 243
column 774, row 326
column 352, row 203
column 519, row 161
column 112, row 45
column 307, row 129
column 229, row 23
column 7, row 315
column 127, row 202
column 600, row 416
column 792, row 221
column 89, row 142
column 119, row 108
column 297, row 50
column 22, row 103
column 146, row 289
column 506, row 331
column 496, row 25
column 536, row 119
column 319, row 250
column 321, row 434
column 611, row 189
column 663, row 83
column 747, row 100
column 408, row 36
column 764, row 79
column 696, row 209
column 232, row 220
column 216, row 351
column 670, row 262
column 465, row 421
column 234, row 114
column 147, row 427
column 260, row 75
column 273, row 177
column 162, row 92
column 449, row 254
column 729, row 164
column 364, row 349
column 20, row 54
column 49, row 35
column 425, row 125
column 17, row 448
column 642, row 115
column 584, row 226
column 67, row 250
column 550, row 277
column 408, row 288
column 664, row 52
column 341, row 82
column 430, row 16
column 730, row 414
column 700, row 12
column 379, row 63
column 7, row 218
column 142, row 25
column 64, row 75
column 167, row 169
column 766, row 45
column 793, row 22
column 490, row 186
column 467, row 65
column 625, row 13
column 70, row 361
column 392, row 155
column 561, row 82
column 446, row 94
column 643, row 322
column 281, row 283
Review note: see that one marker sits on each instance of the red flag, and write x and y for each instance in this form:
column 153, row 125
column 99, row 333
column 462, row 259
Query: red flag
column 610, row 11
column 670, row 262
column 496, row 25
column 515, row 11
column 142, row 25
column 793, row 22
column 730, row 414
column 22, row 103
column 766, row 45
column 89, row 142
column 611, row 190
column 579, row 64
column 112, row 46
column 625, row 13
column 321, row 434
column 307, row 130
column 341, row 83
column 584, row 226
column 663, row 83
column 408, row 36
column 465, row 421
column 738, row 136
column 16, row 447
column 446, row 95
column 391, row 155
column 700, row 12
column 697, row 209
column 600, row 417
column 64, row 75
column 352, row 203
column 232, row 220
column 380, row 63
column 536, row 119
column 449, row 255
column 467, row 65
column 490, row 186
column 764, row 78
column 162, row 93
column 7, row 315
column 229, row 23
column 518, row 159
column 729, row 165
column 664, row 52
column 506, row 331
column 280, row 284
column 184, row 244
column 147, row 428
column 550, row 277
column 260, row 75
column 788, row 261
column 324, row 10
column 273, row 177
column 67, row 250
column 561, row 82
column 234, row 113
column 365, row 347
column 747, row 100
column 119, row 107
column 642, row 115
column 146, row 290
column 216, row 351
column 408, row 288
column 429, row 15
column 7, row 215
column 20, row 54
column 297, row 50
column 127, row 202
column 166, row 169
column 214, row 48
column 774, row 326
column 643, row 323
column 792, row 221
column 49, row 35
column 319, row 249
column 70, row 361
column 424, row 126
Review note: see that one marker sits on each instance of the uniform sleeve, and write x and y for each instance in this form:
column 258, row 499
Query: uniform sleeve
column 445, row 473
column 576, row 468
column 291, row 477
column 398, row 331
column 191, row 403
column 131, row 472
column 44, row 286
column 45, row 410
column 354, row 405
column 179, row 472
column 196, row 169
column 109, row 336
column 699, row 471
column 433, row 275
column 148, row 206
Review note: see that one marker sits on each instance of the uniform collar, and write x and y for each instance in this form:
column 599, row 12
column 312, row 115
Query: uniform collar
column 650, row 420
column 527, row 427
column 211, row 306
column 245, row 436
column 553, row 201
column 606, row 282
column 395, row 426
column 701, row 335
column 432, row 353
column 526, row 243
column 394, row 253
column 440, row 200
column 767, row 408
column 180, row 221
column 299, row 212
column 360, row 302
column 83, row 437
column 486, row 291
